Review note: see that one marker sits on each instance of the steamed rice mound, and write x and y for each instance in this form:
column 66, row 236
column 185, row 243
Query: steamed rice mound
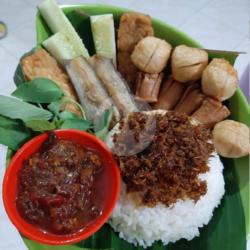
column 143, row 225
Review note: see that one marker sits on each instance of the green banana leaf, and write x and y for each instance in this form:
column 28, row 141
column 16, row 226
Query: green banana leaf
column 229, row 226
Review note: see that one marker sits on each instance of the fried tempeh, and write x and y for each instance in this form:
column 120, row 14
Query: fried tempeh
column 42, row 64
column 93, row 97
column 132, row 28
column 211, row 112
column 148, row 86
column 191, row 100
column 114, row 84
column 170, row 94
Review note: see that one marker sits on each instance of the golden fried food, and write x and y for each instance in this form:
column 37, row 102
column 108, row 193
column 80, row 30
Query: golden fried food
column 191, row 100
column 170, row 93
column 127, row 69
column 132, row 28
column 41, row 64
column 188, row 63
column 151, row 54
column 219, row 79
column 148, row 86
column 211, row 112
column 231, row 139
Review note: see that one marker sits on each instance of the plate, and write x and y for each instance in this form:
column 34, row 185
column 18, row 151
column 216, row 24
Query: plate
column 229, row 226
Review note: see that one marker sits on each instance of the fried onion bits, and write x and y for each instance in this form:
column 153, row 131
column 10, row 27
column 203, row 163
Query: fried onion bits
column 167, row 168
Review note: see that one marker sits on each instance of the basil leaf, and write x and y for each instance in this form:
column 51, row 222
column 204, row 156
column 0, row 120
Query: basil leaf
column 6, row 122
column 68, row 115
column 40, row 125
column 19, row 77
column 55, row 106
column 39, row 90
column 13, row 138
column 16, row 109
column 101, row 124
column 77, row 124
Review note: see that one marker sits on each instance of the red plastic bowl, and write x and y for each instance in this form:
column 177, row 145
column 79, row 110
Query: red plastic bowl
column 10, row 188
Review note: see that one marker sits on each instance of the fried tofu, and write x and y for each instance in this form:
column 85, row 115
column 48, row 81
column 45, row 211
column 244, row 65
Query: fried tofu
column 132, row 28
column 127, row 69
column 42, row 64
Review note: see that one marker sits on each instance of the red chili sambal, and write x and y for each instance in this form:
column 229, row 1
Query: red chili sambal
column 57, row 186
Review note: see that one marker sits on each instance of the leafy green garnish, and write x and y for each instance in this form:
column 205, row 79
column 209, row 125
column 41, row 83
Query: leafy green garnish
column 16, row 109
column 39, row 90
column 41, row 125
column 55, row 107
column 13, row 138
column 101, row 124
column 77, row 124
column 6, row 122
column 64, row 115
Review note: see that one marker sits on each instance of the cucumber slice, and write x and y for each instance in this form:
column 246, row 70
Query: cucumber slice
column 103, row 31
column 58, row 22
column 60, row 47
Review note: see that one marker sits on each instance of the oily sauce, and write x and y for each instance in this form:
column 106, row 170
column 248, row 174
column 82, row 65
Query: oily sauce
column 57, row 186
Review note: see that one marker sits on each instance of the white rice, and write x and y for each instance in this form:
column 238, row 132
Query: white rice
column 142, row 225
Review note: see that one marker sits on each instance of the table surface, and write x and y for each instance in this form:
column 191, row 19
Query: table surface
column 216, row 24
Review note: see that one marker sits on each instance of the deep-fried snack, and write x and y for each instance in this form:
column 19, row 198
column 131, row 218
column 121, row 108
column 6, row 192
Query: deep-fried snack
column 191, row 100
column 132, row 28
column 148, row 86
column 114, row 84
column 42, row 64
column 170, row 93
column 231, row 139
column 93, row 96
column 151, row 54
column 211, row 112
column 188, row 63
column 219, row 79
column 127, row 69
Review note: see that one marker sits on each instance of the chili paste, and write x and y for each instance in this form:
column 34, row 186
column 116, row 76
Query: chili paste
column 57, row 186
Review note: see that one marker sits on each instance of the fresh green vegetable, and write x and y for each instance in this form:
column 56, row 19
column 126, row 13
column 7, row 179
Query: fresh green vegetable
column 103, row 31
column 58, row 22
column 41, row 125
column 60, row 47
column 16, row 109
column 6, row 122
column 55, row 107
column 77, row 124
column 13, row 138
column 39, row 90
column 19, row 77
column 101, row 124
column 64, row 115
column 58, row 105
